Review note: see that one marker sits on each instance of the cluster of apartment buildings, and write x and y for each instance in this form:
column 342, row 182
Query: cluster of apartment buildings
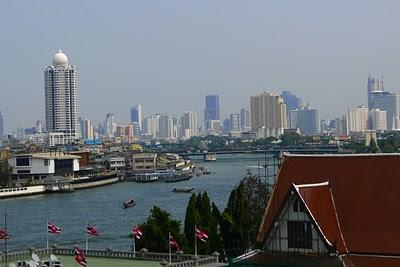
column 269, row 115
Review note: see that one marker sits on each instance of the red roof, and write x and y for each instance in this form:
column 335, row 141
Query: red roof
column 358, row 210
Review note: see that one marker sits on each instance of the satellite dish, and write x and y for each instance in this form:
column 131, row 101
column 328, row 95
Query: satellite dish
column 53, row 258
column 32, row 263
column 35, row 257
column 12, row 265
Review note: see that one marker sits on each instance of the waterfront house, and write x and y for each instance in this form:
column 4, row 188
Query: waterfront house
column 333, row 210
column 35, row 167
column 144, row 162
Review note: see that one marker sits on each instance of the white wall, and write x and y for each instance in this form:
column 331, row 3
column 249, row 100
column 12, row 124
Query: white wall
column 278, row 238
column 36, row 166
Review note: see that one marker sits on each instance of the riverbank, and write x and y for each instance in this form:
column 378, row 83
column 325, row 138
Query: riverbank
column 101, row 205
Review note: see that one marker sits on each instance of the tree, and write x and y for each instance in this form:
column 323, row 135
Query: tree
column 156, row 229
column 242, row 217
column 5, row 174
column 202, row 214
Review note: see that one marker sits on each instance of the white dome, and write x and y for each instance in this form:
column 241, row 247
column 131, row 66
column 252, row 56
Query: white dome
column 60, row 59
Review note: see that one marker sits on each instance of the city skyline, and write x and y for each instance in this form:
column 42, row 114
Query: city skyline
column 118, row 65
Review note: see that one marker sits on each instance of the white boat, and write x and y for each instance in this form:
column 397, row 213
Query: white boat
column 21, row 191
column 143, row 177
column 210, row 157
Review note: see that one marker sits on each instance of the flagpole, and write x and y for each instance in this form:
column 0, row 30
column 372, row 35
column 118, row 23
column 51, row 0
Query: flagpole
column 195, row 242
column 169, row 246
column 87, row 239
column 47, row 234
column 134, row 245
column 6, row 236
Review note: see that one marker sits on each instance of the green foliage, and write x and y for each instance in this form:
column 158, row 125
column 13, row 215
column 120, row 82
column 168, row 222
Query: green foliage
column 205, row 216
column 5, row 174
column 243, row 214
column 156, row 229
column 290, row 139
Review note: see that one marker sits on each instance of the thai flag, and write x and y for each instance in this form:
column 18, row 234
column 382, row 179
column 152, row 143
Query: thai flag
column 79, row 256
column 53, row 229
column 3, row 235
column 201, row 235
column 90, row 230
column 173, row 242
column 137, row 232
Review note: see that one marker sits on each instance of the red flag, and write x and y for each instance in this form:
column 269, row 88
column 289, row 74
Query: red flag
column 53, row 229
column 173, row 242
column 201, row 235
column 79, row 256
column 3, row 234
column 90, row 230
column 137, row 232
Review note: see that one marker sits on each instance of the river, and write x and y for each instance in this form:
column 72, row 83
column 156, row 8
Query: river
column 102, row 207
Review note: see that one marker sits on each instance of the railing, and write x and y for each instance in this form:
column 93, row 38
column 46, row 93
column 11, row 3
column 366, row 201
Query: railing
column 24, row 254
column 178, row 260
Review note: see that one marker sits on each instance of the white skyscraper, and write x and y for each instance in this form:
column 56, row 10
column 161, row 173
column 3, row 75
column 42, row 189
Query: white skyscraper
column 189, row 124
column 357, row 119
column 378, row 120
column 61, row 98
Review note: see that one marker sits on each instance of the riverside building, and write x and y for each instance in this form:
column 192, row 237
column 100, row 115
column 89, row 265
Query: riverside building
column 61, row 99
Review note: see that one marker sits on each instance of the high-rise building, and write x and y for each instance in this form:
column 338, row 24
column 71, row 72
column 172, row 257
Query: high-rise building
column 150, row 126
column 61, row 98
column 1, row 126
column 213, row 127
column 166, row 128
column 244, row 119
column 373, row 85
column 226, row 126
column 109, row 126
column 88, row 130
column 292, row 102
column 340, row 126
column 377, row 120
column 391, row 104
column 268, row 111
column 189, row 124
column 235, row 122
column 357, row 119
column 211, row 112
column 136, row 115
column 307, row 120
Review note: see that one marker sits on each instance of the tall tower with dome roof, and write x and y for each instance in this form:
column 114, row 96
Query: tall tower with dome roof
column 61, row 99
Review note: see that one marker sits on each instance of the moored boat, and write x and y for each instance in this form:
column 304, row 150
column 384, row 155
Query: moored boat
column 129, row 203
column 143, row 177
column 22, row 191
column 178, row 177
column 182, row 189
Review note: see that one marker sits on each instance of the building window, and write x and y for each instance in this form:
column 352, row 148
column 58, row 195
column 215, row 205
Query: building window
column 298, row 206
column 299, row 234
column 46, row 162
column 23, row 162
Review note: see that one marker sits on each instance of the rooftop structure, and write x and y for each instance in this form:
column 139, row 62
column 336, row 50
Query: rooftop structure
column 337, row 206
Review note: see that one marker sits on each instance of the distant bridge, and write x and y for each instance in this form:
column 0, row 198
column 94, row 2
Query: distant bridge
column 272, row 151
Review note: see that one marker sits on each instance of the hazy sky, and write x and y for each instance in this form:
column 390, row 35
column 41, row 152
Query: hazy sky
column 167, row 55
